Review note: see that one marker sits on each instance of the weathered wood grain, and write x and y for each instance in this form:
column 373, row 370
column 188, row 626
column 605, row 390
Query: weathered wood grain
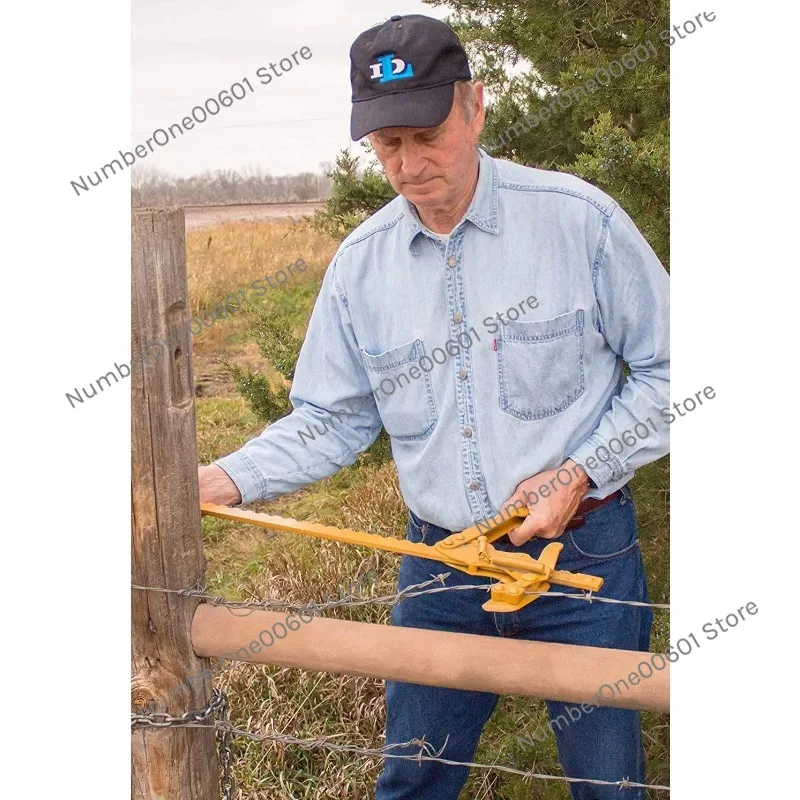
column 167, row 546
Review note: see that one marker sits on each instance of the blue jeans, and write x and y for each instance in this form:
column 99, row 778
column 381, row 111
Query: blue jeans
column 605, row 744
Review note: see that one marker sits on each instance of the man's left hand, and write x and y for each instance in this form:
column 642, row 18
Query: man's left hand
column 548, row 516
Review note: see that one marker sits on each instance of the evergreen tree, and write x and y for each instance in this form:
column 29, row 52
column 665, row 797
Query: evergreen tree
column 617, row 137
column 353, row 197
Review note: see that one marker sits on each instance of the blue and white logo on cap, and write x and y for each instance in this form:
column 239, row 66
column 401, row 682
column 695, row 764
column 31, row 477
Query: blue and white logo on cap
column 391, row 68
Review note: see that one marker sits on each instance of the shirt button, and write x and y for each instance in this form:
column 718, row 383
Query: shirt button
column 451, row 262
column 468, row 431
column 474, row 485
column 457, row 318
column 462, row 374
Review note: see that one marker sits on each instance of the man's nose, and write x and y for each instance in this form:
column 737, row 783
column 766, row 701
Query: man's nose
column 412, row 161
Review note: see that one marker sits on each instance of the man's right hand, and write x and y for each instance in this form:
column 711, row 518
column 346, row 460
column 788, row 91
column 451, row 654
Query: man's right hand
column 217, row 487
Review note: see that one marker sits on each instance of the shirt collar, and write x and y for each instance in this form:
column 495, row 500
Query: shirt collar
column 482, row 211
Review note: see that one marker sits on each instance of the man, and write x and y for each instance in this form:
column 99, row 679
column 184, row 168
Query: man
column 526, row 413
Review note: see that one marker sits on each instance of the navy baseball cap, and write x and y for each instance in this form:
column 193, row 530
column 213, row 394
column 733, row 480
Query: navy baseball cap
column 402, row 74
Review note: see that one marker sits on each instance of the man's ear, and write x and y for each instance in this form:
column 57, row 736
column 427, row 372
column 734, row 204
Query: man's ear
column 480, row 112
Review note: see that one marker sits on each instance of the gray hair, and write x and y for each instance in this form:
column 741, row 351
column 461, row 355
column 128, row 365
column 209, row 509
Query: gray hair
column 465, row 96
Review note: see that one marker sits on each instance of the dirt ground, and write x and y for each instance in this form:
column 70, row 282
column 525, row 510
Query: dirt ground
column 202, row 216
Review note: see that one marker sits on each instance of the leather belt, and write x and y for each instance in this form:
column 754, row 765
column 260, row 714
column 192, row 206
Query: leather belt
column 587, row 505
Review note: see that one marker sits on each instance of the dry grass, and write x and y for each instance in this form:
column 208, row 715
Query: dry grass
column 229, row 257
column 303, row 703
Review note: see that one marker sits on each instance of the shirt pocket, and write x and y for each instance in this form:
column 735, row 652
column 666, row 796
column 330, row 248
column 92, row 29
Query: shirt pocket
column 405, row 402
column 540, row 365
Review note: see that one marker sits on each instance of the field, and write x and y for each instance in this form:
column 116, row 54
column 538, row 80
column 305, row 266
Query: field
column 244, row 562
column 204, row 216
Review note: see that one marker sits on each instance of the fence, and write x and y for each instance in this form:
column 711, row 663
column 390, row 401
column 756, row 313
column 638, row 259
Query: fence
column 177, row 626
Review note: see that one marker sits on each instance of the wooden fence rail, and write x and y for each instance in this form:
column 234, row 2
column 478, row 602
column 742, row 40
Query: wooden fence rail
column 565, row 672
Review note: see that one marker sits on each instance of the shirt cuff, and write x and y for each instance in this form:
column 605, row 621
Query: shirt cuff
column 603, row 471
column 244, row 472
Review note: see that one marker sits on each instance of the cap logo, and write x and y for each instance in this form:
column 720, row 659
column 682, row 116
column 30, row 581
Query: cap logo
column 391, row 68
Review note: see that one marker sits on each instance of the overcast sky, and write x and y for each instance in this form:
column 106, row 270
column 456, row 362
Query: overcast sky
column 185, row 51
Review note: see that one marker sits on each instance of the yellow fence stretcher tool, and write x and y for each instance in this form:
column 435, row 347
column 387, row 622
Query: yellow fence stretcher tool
column 518, row 574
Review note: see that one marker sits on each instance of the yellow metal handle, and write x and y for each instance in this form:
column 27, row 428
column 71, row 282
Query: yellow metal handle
column 576, row 580
column 468, row 551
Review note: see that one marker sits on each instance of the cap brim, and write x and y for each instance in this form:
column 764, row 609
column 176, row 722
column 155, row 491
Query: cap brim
column 423, row 108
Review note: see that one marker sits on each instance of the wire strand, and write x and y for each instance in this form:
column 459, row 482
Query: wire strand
column 382, row 752
column 392, row 599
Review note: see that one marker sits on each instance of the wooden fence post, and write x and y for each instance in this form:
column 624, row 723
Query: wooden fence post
column 167, row 548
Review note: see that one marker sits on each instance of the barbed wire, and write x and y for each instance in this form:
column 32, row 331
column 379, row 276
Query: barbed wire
column 224, row 730
column 417, row 590
column 284, row 605
column 426, row 753
column 217, row 706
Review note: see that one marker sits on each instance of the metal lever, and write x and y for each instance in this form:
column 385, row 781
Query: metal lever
column 469, row 551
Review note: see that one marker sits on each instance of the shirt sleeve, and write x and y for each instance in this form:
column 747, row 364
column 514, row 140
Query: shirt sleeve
column 334, row 417
column 632, row 291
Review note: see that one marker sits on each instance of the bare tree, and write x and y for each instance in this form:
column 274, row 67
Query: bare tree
column 153, row 187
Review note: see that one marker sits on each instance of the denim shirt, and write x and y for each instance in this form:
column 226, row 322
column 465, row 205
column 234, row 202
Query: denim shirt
column 405, row 334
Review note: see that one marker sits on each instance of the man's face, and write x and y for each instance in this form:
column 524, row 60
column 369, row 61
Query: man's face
column 431, row 167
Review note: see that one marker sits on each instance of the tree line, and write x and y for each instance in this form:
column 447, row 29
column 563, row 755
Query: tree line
column 153, row 187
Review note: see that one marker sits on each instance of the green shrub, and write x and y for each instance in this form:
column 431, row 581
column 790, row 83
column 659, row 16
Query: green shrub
column 267, row 403
column 353, row 197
